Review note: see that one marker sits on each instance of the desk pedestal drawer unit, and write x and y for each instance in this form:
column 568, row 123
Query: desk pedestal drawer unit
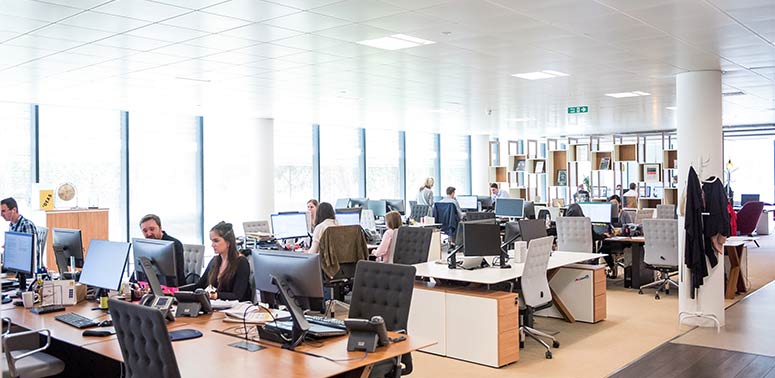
column 472, row 325
column 434, row 252
column 581, row 289
column 764, row 224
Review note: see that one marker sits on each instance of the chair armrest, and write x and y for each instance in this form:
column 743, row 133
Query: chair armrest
column 189, row 287
column 7, row 330
column 27, row 333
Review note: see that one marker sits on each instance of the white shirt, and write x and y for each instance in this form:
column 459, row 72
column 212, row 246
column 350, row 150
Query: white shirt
column 318, row 233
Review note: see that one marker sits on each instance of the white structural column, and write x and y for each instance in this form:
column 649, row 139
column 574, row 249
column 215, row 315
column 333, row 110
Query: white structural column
column 700, row 144
column 480, row 157
column 264, row 164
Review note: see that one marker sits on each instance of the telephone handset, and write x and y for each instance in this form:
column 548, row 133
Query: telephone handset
column 366, row 334
column 161, row 303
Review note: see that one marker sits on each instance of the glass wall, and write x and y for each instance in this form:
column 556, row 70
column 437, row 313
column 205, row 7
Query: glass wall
column 455, row 163
column 83, row 147
column 340, row 156
column 420, row 162
column 292, row 166
column 752, row 167
column 382, row 158
column 16, row 164
column 163, row 166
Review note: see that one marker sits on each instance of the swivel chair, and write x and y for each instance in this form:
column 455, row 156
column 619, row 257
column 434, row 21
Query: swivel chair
column 661, row 252
column 411, row 245
column 193, row 262
column 446, row 214
column 341, row 247
column 748, row 218
column 666, row 211
column 644, row 214
column 574, row 234
column 23, row 357
column 534, row 291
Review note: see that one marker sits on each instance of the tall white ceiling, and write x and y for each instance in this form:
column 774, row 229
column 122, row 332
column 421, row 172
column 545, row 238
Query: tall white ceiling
column 299, row 60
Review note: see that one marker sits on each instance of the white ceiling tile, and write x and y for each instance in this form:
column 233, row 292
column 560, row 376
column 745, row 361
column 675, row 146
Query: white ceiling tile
column 268, row 50
column 355, row 32
column 153, row 58
column 191, row 4
column 273, row 65
column 307, row 22
column 261, row 32
column 105, row 22
column 405, row 22
column 107, row 52
column 415, row 4
column 464, row 11
column 351, row 50
column 308, row 42
column 221, row 42
column 445, row 32
column 80, row 4
column 6, row 35
column 141, row 10
column 232, row 57
column 126, row 41
column 252, row 10
column 37, row 10
column 53, row 44
column 13, row 55
column 359, row 10
column 309, row 57
column 72, row 33
column 207, row 22
column 186, row 51
column 167, row 33
column 19, row 24
column 305, row 4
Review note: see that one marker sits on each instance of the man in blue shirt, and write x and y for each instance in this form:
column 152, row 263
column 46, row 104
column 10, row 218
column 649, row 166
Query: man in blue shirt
column 10, row 212
column 496, row 193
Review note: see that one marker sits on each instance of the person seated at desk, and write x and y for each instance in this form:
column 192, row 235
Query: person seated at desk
column 150, row 225
column 450, row 198
column 425, row 195
column 312, row 210
column 384, row 252
column 574, row 210
column 610, row 249
column 228, row 272
column 630, row 197
column 9, row 210
column 623, row 217
column 325, row 217
column 496, row 193
column 582, row 195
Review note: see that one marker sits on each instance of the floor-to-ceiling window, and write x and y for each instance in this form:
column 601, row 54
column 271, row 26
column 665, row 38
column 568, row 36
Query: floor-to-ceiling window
column 16, row 164
column 292, row 166
column 382, row 176
column 340, row 155
column 751, row 171
column 455, row 163
column 420, row 162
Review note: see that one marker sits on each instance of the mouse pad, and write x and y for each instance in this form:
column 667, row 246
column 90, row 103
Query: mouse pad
column 184, row 334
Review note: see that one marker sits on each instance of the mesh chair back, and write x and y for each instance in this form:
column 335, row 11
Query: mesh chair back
column 144, row 341
column 666, row 211
column 661, row 248
column 255, row 226
column 535, row 286
column 479, row 215
column 193, row 261
column 419, row 211
column 644, row 214
column 412, row 245
column 574, row 234
column 384, row 290
column 42, row 236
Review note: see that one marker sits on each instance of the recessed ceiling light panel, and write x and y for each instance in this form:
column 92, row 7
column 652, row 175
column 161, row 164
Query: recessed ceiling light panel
column 546, row 74
column 396, row 42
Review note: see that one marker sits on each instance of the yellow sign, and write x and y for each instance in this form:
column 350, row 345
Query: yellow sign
column 47, row 199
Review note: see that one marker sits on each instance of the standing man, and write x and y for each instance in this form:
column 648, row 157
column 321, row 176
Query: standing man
column 496, row 193
column 150, row 225
column 10, row 212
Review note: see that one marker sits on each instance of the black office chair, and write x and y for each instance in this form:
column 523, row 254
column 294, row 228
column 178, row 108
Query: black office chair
column 530, row 210
column 479, row 215
column 419, row 211
column 341, row 247
column 412, row 245
column 384, row 290
column 544, row 214
column 144, row 341
column 445, row 213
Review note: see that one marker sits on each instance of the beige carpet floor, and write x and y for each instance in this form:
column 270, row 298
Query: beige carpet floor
column 635, row 325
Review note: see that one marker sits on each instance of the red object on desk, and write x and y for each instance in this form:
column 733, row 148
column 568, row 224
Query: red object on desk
column 165, row 289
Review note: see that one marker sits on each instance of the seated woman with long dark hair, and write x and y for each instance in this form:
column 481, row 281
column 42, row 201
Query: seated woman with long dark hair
column 228, row 272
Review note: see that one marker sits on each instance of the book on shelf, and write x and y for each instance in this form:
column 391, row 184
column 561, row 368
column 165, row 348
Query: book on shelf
column 605, row 162
column 562, row 177
column 539, row 167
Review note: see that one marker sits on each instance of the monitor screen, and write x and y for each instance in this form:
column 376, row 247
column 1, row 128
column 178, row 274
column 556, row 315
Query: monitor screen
column 359, row 202
column 161, row 253
column 509, row 207
column 467, row 202
column 482, row 240
column 66, row 244
column 289, row 225
column 348, row 218
column 342, row 203
column 379, row 207
column 461, row 226
column 300, row 271
column 19, row 252
column 532, row 229
column 748, row 198
column 486, row 202
column 598, row 212
column 396, row 205
column 104, row 265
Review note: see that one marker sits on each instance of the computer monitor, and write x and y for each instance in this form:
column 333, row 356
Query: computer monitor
column 532, row 229
column 513, row 232
column 486, row 202
column 614, row 211
column 509, row 207
column 359, row 202
column 598, row 212
column 482, row 240
column 19, row 252
column 462, row 225
column 396, row 205
column 301, row 271
column 161, row 253
column 66, row 244
column 104, row 265
column 748, row 198
column 289, row 225
column 379, row 207
column 530, row 210
column 468, row 202
column 342, row 203
column 348, row 217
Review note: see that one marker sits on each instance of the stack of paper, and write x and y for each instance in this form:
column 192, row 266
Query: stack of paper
column 249, row 313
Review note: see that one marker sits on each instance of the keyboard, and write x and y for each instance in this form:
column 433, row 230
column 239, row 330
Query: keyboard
column 46, row 309
column 77, row 321
column 315, row 330
column 330, row 322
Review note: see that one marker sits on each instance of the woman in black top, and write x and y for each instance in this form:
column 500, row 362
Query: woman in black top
column 228, row 272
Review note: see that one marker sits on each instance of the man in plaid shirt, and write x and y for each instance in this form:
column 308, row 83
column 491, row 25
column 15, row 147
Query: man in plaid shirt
column 10, row 212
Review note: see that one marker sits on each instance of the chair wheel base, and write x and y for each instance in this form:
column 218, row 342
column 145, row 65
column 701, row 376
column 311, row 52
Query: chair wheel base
column 657, row 296
column 556, row 344
column 548, row 355
column 521, row 344
column 640, row 291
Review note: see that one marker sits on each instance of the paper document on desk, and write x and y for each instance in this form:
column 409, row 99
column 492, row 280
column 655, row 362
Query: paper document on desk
column 253, row 315
column 220, row 304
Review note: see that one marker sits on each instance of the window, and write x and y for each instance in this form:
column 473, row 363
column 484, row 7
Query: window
column 83, row 147
column 16, row 164
column 163, row 159
column 382, row 176
column 455, row 163
column 340, row 155
column 420, row 163
column 292, row 166
column 752, row 166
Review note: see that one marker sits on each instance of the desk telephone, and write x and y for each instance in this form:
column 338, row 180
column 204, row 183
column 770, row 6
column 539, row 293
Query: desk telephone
column 161, row 303
column 372, row 236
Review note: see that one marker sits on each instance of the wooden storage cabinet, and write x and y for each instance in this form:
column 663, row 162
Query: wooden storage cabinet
column 582, row 290
column 93, row 224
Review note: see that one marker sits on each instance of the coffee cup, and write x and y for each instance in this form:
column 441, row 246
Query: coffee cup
column 28, row 299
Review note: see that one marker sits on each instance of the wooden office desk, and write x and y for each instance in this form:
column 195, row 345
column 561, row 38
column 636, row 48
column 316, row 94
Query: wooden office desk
column 638, row 275
column 210, row 355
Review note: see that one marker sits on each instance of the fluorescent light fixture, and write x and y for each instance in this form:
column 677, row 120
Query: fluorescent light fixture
column 671, row 108
column 396, row 42
column 521, row 119
column 545, row 74
column 628, row 94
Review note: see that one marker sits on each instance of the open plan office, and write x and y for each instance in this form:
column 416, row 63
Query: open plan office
column 374, row 188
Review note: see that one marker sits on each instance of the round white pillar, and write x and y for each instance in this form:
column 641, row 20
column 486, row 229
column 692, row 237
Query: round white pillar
column 700, row 145
column 264, row 165
column 480, row 170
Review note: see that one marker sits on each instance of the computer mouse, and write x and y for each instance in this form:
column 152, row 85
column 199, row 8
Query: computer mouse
column 97, row 332
column 105, row 323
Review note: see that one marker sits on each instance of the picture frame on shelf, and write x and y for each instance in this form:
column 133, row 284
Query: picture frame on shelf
column 651, row 173
column 605, row 163
column 539, row 167
column 562, row 177
column 520, row 165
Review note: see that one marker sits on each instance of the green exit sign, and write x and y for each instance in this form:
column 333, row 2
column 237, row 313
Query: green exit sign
column 578, row 109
